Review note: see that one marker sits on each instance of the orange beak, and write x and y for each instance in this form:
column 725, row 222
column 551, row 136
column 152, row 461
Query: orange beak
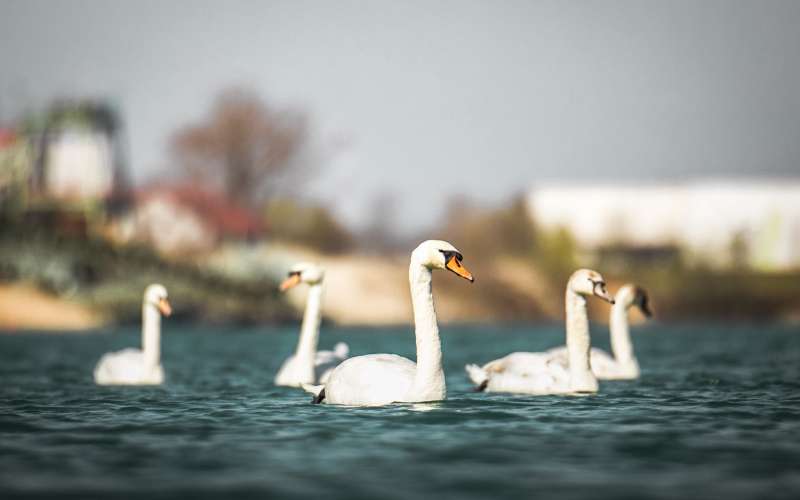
column 290, row 282
column 164, row 307
column 455, row 265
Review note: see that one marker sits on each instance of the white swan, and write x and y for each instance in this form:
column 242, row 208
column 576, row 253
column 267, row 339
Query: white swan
column 381, row 379
column 134, row 366
column 307, row 365
column 623, row 364
column 540, row 372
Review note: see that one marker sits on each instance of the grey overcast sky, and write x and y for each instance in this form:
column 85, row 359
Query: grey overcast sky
column 480, row 98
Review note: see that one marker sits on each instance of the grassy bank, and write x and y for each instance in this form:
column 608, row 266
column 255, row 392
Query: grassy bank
column 109, row 279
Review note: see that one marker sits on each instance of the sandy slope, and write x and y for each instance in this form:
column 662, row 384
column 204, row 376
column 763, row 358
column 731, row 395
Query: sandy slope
column 24, row 307
column 373, row 290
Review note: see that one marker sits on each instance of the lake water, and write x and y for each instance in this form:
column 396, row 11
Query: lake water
column 716, row 414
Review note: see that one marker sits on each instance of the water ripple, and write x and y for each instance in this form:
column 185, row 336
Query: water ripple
column 715, row 414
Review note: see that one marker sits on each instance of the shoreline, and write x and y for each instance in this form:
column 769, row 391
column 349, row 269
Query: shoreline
column 23, row 308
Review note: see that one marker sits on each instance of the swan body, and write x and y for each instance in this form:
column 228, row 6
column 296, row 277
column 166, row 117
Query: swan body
column 521, row 372
column 622, row 365
column 139, row 366
column 127, row 367
column 542, row 373
column 377, row 380
column 308, row 365
column 324, row 363
column 382, row 379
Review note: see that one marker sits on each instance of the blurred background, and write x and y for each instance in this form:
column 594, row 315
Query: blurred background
column 210, row 145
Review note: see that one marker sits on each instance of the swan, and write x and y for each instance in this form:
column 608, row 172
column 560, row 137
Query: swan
column 134, row 366
column 541, row 373
column 623, row 364
column 382, row 379
column 307, row 365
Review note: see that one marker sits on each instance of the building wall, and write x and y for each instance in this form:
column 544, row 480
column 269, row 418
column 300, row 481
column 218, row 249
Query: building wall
column 702, row 217
column 79, row 165
column 170, row 228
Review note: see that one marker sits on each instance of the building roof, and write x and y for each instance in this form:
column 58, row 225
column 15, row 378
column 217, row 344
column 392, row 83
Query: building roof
column 7, row 137
column 214, row 208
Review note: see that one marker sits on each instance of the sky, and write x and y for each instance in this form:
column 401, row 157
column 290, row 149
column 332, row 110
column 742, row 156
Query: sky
column 425, row 100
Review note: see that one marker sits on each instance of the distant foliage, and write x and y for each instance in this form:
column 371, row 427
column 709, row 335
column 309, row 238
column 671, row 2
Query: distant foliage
column 506, row 230
column 510, row 231
column 311, row 225
column 556, row 254
column 244, row 146
column 111, row 279
column 16, row 157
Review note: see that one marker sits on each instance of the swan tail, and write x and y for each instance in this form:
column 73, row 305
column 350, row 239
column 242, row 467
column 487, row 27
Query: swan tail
column 341, row 350
column 478, row 376
column 318, row 391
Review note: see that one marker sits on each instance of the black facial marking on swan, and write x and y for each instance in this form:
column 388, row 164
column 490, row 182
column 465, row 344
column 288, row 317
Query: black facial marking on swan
column 641, row 300
column 483, row 386
column 450, row 253
column 318, row 398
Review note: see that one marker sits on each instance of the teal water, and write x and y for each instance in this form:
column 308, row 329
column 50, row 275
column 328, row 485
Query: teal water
column 716, row 414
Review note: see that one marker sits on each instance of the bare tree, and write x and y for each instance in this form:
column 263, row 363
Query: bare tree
column 245, row 147
column 378, row 236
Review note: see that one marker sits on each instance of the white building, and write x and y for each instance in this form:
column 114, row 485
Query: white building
column 701, row 217
column 80, row 165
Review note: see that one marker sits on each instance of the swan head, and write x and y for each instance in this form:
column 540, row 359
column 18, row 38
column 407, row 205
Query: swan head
column 437, row 254
column 156, row 296
column 587, row 282
column 632, row 295
column 303, row 272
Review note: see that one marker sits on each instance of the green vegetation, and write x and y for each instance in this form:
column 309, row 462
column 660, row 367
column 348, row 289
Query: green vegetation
column 111, row 279
column 15, row 166
column 510, row 231
column 705, row 293
column 310, row 225
column 679, row 288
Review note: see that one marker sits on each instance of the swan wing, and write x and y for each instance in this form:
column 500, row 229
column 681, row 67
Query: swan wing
column 558, row 352
column 292, row 375
column 126, row 367
column 544, row 376
column 607, row 367
column 601, row 361
column 520, row 363
column 561, row 353
column 552, row 381
column 596, row 355
column 372, row 380
column 327, row 361
column 340, row 352
column 531, row 371
column 522, row 373
column 325, row 357
column 604, row 365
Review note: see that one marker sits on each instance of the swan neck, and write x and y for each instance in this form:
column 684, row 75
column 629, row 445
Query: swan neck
column 621, row 344
column 578, row 341
column 309, row 331
column 151, row 334
column 429, row 373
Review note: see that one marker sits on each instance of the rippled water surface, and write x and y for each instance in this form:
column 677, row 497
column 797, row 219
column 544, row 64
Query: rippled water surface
column 716, row 414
